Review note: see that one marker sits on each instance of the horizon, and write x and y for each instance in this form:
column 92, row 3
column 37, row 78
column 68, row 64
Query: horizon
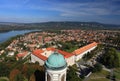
column 39, row 11
column 57, row 21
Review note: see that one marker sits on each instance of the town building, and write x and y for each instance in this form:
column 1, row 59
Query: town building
column 79, row 53
column 41, row 55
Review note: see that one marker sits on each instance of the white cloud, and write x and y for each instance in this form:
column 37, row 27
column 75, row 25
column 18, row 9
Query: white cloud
column 68, row 9
column 79, row 9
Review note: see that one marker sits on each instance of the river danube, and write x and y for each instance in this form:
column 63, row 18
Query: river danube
column 6, row 35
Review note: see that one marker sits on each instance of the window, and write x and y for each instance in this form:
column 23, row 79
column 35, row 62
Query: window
column 48, row 77
column 63, row 77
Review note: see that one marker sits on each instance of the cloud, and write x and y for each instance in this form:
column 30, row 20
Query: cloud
column 79, row 9
column 62, row 9
column 22, row 19
column 102, row 7
column 74, row 9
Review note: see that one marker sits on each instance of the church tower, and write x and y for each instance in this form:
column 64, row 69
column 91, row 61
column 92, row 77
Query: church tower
column 56, row 67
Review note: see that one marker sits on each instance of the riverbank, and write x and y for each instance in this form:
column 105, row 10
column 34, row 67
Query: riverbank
column 4, row 44
column 8, row 37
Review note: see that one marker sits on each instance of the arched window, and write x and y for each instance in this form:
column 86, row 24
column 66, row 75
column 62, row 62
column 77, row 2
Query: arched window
column 48, row 77
column 63, row 77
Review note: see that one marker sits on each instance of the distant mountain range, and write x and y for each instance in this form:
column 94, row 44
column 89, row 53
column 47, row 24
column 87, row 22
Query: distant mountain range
column 7, row 26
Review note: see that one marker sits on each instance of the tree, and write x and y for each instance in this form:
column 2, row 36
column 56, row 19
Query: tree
column 110, row 58
column 13, row 74
column 32, row 77
column 30, row 71
column 97, row 67
column 71, row 75
column 19, row 77
column 4, row 69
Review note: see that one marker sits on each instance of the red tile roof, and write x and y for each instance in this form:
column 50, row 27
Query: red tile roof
column 38, row 54
column 65, row 54
column 38, row 51
column 85, row 48
column 41, row 57
column 50, row 49
column 22, row 54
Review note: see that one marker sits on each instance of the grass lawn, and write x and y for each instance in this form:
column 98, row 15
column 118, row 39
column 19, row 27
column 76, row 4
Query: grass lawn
column 72, row 49
column 99, row 76
column 117, row 70
column 4, row 79
column 118, row 55
column 103, row 73
column 117, row 73
column 99, row 79
column 26, row 79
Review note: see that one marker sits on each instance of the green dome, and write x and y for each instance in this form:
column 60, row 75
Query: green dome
column 55, row 61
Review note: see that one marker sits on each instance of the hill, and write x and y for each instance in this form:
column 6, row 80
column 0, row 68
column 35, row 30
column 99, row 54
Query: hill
column 7, row 26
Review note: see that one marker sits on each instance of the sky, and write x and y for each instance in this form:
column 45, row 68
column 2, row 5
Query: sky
column 27, row 11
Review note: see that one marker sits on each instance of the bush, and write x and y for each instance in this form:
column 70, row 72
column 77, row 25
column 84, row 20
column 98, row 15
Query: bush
column 97, row 67
column 4, row 69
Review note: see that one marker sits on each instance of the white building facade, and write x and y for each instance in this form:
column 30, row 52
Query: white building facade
column 41, row 55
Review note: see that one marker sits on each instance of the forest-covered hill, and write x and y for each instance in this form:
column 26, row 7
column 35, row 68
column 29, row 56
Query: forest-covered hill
column 7, row 26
